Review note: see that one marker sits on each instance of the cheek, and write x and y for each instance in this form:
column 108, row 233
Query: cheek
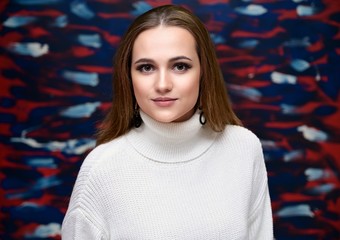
column 138, row 87
column 192, row 87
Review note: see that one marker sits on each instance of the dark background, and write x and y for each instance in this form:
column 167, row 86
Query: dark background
column 280, row 60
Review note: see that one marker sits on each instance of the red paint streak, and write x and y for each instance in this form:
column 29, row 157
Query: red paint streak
column 23, row 108
column 112, row 39
column 271, row 34
column 108, row 1
column 258, row 106
column 7, row 63
column 211, row 2
column 97, row 69
column 77, row 90
column 44, row 13
column 321, row 60
column 286, row 14
column 157, row 3
column 11, row 37
column 7, row 84
column 332, row 7
column 317, row 46
column 114, row 15
column 37, row 32
column 215, row 26
column 283, row 125
column 3, row 6
column 80, row 51
column 5, row 129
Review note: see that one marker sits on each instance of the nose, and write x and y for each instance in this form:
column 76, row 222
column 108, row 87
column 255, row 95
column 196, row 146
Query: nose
column 163, row 82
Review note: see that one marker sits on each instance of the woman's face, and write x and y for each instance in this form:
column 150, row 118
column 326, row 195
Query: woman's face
column 165, row 71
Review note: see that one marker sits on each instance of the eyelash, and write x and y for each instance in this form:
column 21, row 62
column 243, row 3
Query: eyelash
column 141, row 68
column 185, row 65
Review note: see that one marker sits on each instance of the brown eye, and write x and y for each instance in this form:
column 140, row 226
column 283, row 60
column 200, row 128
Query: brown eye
column 181, row 67
column 145, row 68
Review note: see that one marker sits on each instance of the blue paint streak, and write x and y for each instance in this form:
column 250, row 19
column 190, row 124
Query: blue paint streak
column 247, row 92
column 297, row 42
column 80, row 111
column 140, row 8
column 36, row 213
column 34, row 190
column 314, row 174
column 81, row 9
column 61, row 21
column 73, row 146
column 299, row 65
column 297, row 210
column 41, row 163
column 322, row 189
column 46, row 182
column 249, row 43
column 7, row 118
column 217, row 39
column 92, row 40
column 312, row 134
column 37, row 2
column 45, row 231
column 288, row 109
column 306, row 10
column 18, row 21
column 83, row 78
column 251, row 10
column 7, row 102
column 293, row 155
column 282, row 78
column 31, row 49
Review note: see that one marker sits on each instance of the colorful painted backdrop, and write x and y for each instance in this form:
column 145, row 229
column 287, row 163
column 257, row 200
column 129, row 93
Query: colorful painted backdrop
column 281, row 62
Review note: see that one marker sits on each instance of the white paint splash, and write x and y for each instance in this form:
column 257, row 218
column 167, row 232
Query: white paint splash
column 45, row 231
column 312, row 134
column 297, row 210
column 81, row 110
column 251, row 10
column 33, row 49
column 73, row 146
column 84, row 78
column 282, row 78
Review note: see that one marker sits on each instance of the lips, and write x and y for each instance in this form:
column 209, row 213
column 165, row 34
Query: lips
column 164, row 101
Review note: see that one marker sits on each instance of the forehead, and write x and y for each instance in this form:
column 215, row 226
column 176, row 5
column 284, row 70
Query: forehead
column 164, row 40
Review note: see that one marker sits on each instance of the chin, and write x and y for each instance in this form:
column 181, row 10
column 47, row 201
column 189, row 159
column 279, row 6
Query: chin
column 164, row 118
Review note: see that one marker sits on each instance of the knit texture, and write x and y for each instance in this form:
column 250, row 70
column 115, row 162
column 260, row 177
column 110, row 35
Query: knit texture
column 172, row 181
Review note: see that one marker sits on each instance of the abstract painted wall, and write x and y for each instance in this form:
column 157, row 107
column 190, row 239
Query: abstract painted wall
column 281, row 63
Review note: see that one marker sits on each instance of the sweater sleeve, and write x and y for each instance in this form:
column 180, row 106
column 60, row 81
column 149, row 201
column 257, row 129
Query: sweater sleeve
column 260, row 220
column 83, row 219
column 78, row 226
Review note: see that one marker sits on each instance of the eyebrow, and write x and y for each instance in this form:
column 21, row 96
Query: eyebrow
column 148, row 60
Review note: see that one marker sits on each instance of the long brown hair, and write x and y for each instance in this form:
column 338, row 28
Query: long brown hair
column 213, row 99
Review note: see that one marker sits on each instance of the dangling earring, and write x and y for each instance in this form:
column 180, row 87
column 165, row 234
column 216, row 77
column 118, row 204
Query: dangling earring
column 137, row 120
column 203, row 120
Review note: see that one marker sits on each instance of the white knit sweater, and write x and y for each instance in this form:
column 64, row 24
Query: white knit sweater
column 172, row 181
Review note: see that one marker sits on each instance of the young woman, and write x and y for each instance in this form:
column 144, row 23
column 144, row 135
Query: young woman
column 172, row 160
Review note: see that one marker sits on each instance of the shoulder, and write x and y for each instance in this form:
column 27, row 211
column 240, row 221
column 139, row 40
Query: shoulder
column 240, row 133
column 102, row 153
column 90, row 179
column 99, row 159
column 240, row 138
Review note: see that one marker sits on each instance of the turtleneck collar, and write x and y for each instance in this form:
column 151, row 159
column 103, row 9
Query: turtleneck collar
column 171, row 142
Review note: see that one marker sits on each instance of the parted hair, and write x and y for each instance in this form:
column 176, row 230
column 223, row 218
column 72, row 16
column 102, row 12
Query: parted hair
column 213, row 98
